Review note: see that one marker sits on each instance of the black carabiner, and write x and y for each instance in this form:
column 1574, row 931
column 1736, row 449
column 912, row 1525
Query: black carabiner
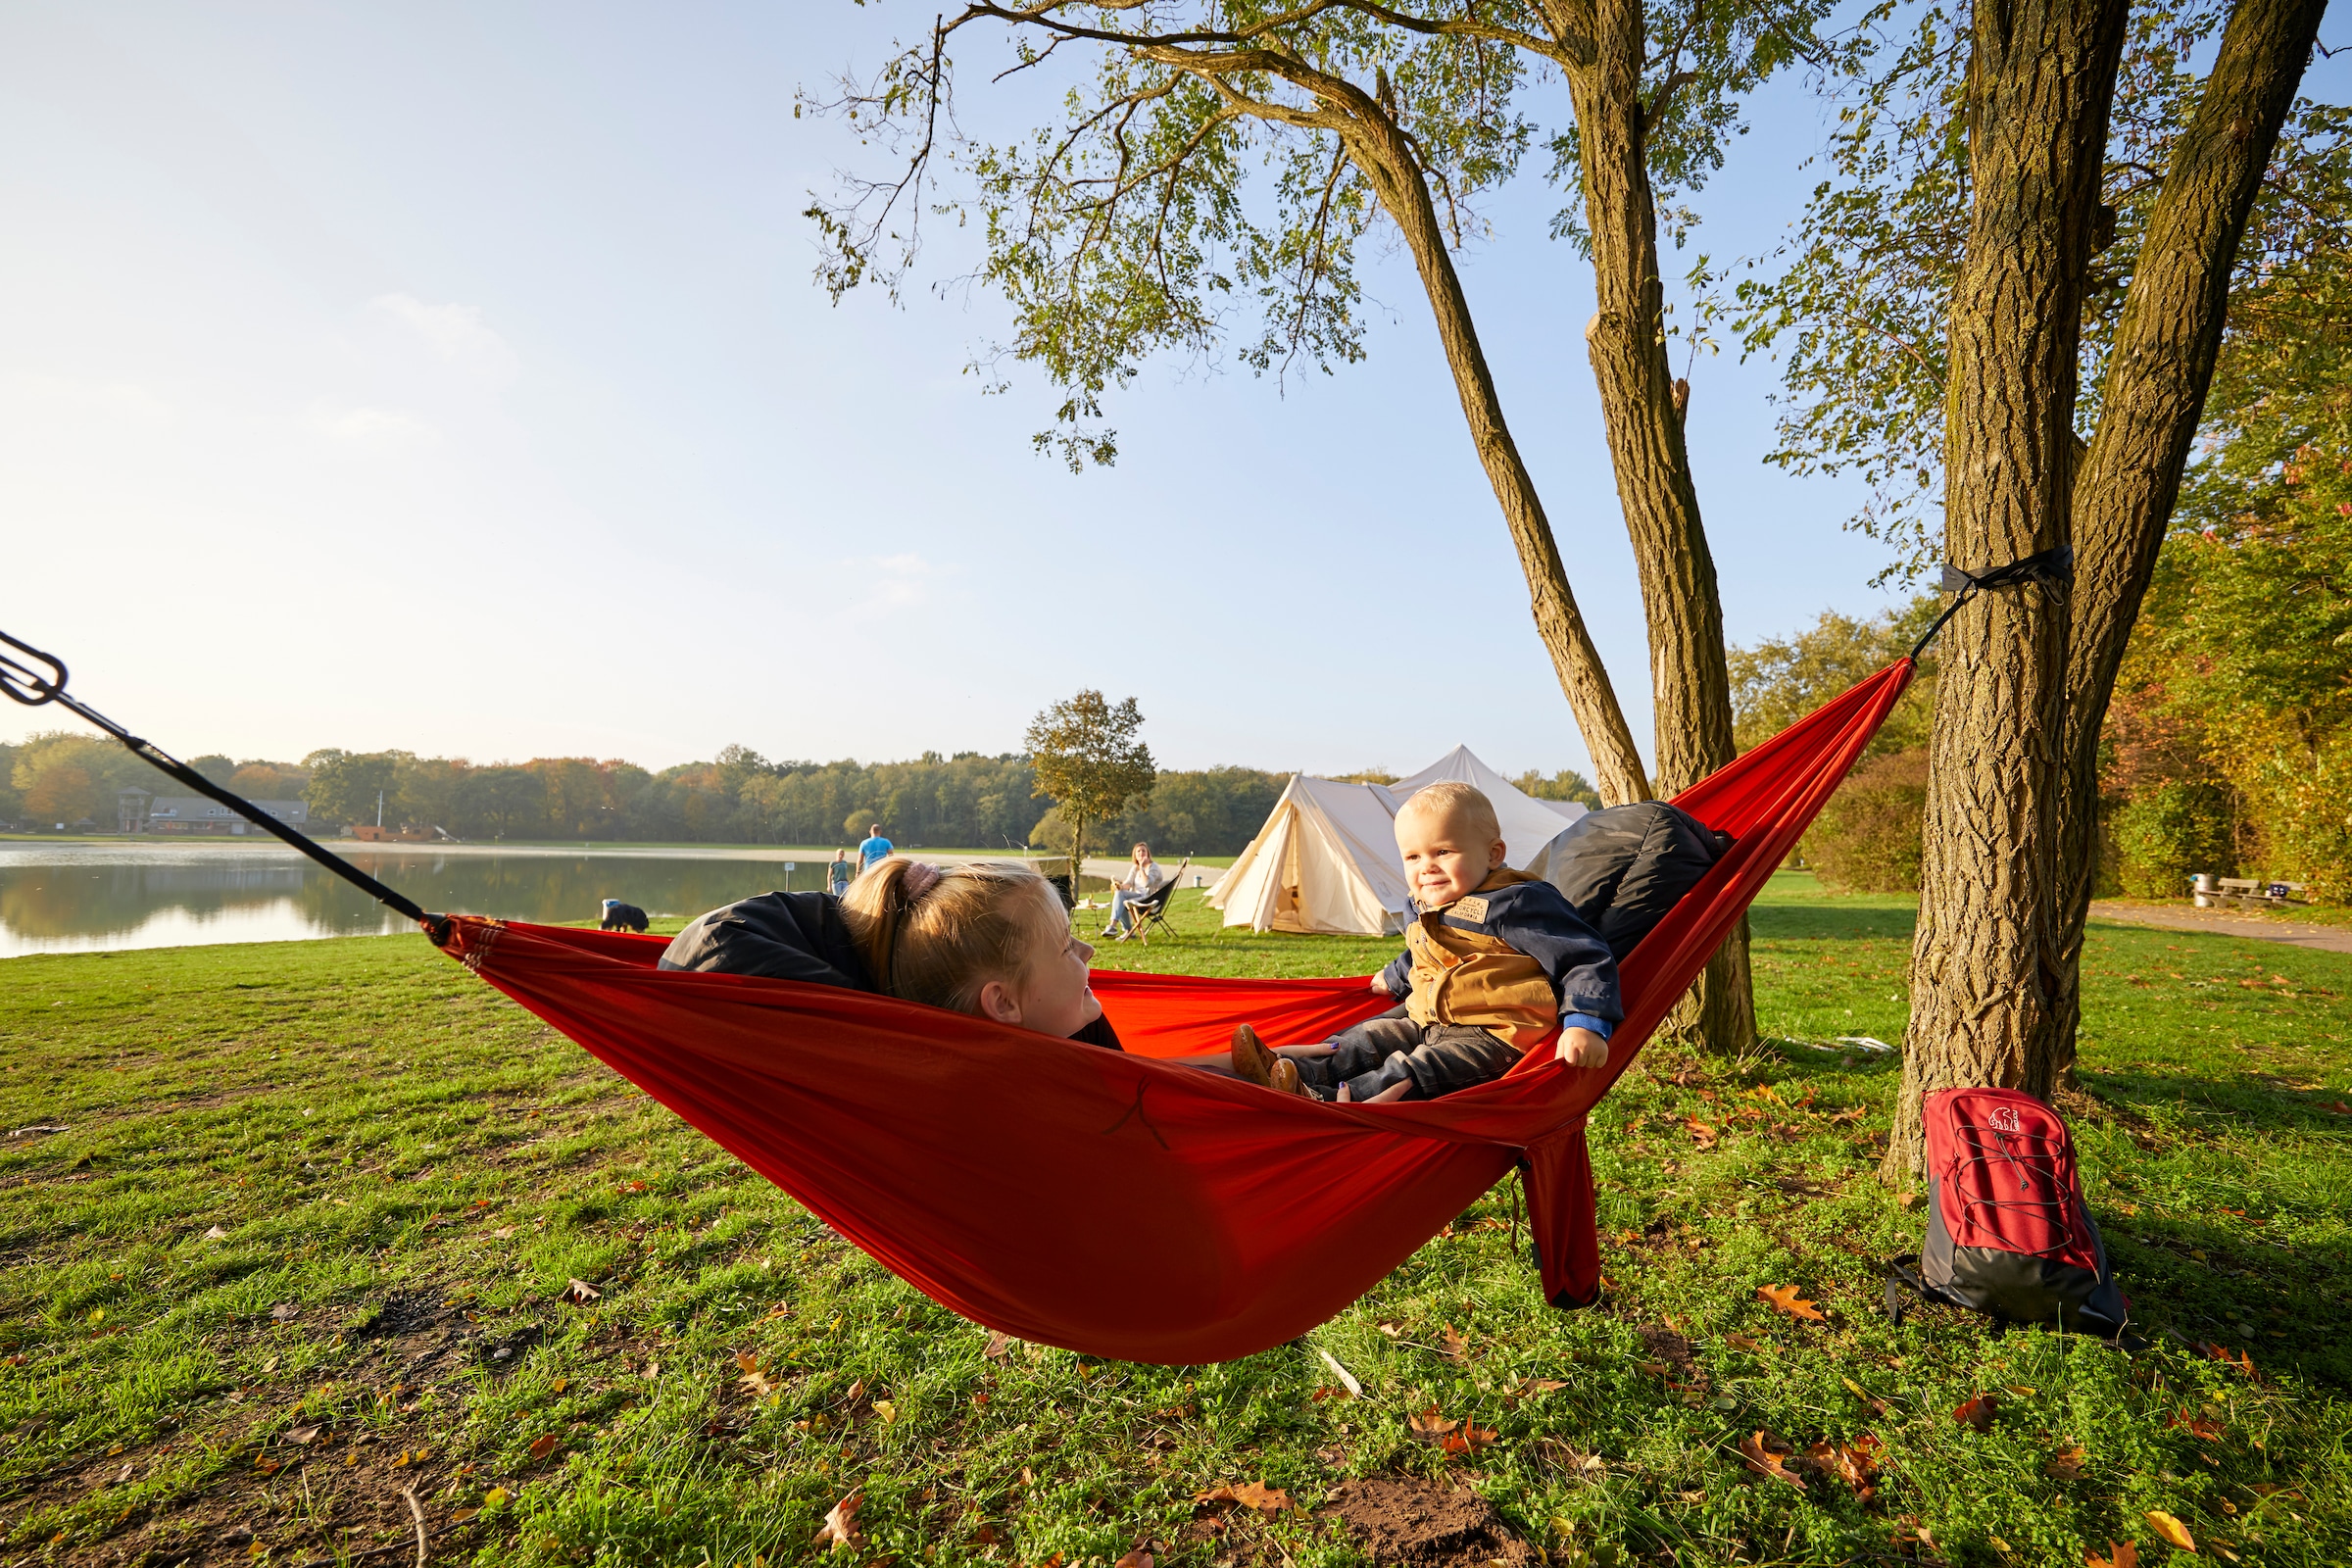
column 20, row 681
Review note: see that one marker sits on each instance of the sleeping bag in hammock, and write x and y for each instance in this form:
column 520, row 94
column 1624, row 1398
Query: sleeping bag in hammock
column 1113, row 1203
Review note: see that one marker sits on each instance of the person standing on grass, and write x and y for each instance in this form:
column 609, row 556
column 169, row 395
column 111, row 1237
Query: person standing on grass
column 1144, row 878
column 875, row 847
column 837, row 875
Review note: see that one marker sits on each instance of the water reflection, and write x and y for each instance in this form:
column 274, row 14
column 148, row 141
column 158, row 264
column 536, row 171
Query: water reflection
column 72, row 898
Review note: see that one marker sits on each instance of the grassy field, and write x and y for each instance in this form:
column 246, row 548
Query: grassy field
column 290, row 1234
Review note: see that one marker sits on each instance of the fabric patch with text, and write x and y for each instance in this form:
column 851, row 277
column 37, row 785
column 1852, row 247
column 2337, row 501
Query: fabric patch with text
column 1472, row 909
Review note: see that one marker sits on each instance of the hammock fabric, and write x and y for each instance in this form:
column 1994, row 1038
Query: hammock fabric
column 1125, row 1207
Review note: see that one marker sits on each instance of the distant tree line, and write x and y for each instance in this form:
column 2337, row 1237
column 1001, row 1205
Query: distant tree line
column 967, row 800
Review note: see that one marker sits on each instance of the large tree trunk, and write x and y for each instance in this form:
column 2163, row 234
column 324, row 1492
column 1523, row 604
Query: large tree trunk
column 2157, row 375
column 1987, row 962
column 1378, row 148
column 1689, row 683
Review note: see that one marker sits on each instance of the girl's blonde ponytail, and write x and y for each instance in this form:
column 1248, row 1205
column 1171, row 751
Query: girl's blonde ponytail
column 940, row 942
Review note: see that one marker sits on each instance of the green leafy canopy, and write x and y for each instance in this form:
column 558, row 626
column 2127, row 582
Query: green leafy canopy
column 1196, row 190
column 1854, row 300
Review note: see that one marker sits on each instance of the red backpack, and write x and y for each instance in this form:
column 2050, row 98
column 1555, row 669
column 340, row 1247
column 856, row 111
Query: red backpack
column 2008, row 1233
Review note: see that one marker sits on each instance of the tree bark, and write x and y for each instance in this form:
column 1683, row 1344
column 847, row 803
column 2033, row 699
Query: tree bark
column 1642, row 411
column 1386, row 159
column 1986, row 965
column 2166, row 345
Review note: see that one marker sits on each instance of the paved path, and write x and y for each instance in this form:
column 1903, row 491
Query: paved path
column 2227, row 923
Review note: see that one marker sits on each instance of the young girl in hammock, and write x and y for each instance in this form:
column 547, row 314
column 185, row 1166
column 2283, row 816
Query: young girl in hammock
column 987, row 938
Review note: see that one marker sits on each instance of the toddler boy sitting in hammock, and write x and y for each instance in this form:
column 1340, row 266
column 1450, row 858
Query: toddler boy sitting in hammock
column 1494, row 960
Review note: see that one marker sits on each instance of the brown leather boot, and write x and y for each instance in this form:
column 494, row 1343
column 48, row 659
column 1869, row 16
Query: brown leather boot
column 1287, row 1080
column 1251, row 1059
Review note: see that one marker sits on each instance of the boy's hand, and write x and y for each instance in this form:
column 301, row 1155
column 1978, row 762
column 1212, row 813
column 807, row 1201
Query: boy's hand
column 1582, row 1047
column 1377, row 986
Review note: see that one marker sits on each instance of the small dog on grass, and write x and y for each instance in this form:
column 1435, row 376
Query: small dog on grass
column 619, row 916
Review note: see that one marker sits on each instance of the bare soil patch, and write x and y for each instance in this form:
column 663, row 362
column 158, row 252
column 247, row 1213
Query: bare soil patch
column 1405, row 1520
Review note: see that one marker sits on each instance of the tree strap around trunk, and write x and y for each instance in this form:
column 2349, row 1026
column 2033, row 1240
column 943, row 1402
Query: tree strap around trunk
column 2054, row 567
column 28, row 686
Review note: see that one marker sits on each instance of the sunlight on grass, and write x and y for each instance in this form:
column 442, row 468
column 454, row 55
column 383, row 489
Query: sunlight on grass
column 309, row 1236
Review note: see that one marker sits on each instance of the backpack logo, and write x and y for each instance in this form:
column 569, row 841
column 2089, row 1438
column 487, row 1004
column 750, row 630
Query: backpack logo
column 2004, row 1119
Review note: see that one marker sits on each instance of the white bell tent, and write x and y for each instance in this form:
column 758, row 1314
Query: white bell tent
column 1326, row 859
column 1528, row 823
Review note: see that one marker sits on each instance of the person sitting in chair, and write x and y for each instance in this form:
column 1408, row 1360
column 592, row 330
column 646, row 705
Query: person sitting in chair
column 1145, row 877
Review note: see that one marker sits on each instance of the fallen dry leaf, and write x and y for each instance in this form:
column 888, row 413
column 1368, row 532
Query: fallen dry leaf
column 1542, row 1386
column 216, row 1234
column 1765, row 1460
column 1431, row 1426
column 1908, row 1528
column 996, row 1343
column 2196, row 1426
column 2238, row 1359
column 1741, row 1342
column 495, row 1498
column 301, row 1437
column 284, row 1313
column 1394, row 1331
column 2064, row 1465
column 580, row 1293
column 1249, row 1494
column 503, row 1232
column 840, row 1529
column 1856, row 1463
column 1700, row 1133
column 1138, row 1558
column 464, row 1514
column 2120, row 1554
column 544, row 1445
column 1656, row 1370
column 560, row 1384
column 755, row 1382
column 1456, row 1347
column 1469, row 1440
column 2172, row 1529
column 1784, row 1297
column 1978, row 1412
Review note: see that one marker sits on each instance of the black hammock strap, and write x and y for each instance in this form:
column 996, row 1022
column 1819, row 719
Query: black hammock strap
column 2054, row 567
column 36, row 688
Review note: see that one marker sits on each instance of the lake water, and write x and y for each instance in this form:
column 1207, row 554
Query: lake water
column 79, row 897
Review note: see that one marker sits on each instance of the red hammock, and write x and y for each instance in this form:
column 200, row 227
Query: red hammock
column 1120, row 1205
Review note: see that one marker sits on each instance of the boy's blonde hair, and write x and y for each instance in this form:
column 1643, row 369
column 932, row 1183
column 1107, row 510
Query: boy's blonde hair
column 940, row 944
column 1454, row 800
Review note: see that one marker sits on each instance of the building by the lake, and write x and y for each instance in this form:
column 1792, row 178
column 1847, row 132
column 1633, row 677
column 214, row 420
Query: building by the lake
column 142, row 812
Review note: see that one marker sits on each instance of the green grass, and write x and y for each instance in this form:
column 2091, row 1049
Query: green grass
column 407, row 1171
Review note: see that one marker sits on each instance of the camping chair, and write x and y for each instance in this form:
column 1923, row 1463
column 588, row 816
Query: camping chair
column 1146, row 913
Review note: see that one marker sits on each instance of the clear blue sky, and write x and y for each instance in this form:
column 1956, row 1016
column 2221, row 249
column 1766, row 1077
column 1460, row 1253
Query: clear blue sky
column 451, row 378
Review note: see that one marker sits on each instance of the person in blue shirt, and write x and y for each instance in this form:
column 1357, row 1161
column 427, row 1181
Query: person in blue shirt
column 875, row 847
column 837, row 874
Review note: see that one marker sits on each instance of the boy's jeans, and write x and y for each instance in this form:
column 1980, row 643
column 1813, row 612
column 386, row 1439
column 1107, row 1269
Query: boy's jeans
column 1438, row 1059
